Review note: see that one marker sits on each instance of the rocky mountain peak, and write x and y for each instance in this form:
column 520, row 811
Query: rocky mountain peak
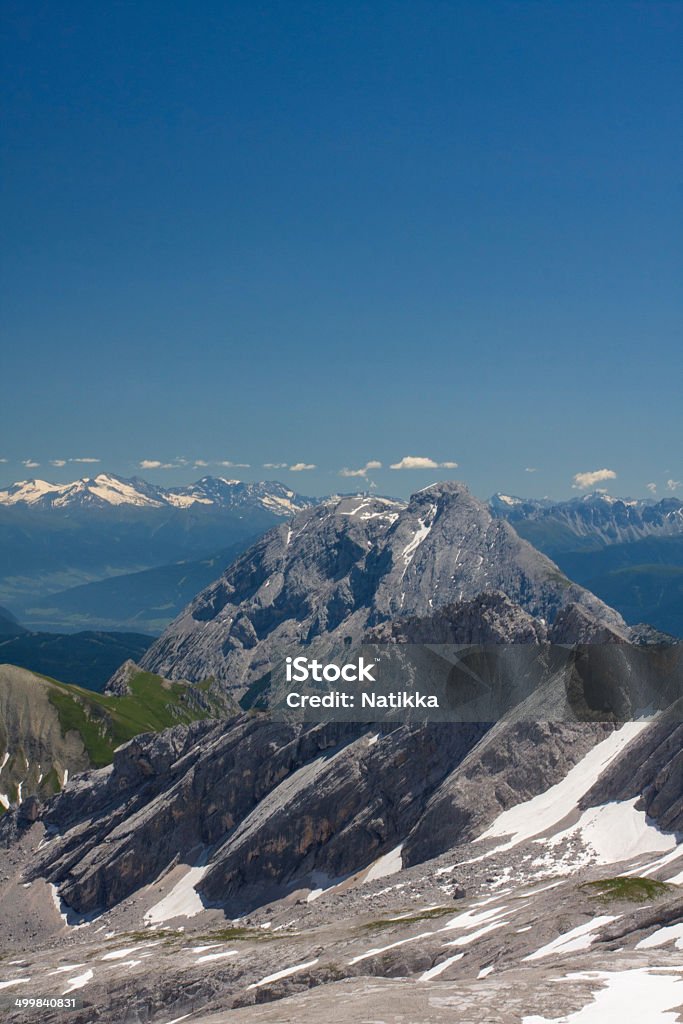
column 351, row 563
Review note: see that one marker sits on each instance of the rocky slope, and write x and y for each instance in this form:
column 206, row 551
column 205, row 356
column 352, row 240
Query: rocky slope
column 350, row 564
column 336, row 857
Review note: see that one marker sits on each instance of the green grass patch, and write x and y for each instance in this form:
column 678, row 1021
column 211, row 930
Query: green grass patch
column 236, row 934
column 105, row 722
column 633, row 889
column 425, row 915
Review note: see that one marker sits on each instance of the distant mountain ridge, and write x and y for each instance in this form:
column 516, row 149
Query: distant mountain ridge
column 57, row 537
column 108, row 490
column 627, row 551
column 596, row 518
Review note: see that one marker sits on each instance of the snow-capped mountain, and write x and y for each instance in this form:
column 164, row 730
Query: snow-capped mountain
column 108, row 490
column 54, row 537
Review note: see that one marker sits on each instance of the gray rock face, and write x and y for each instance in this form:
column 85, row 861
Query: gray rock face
column 336, row 814
column 273, row 803
column 119, row 684
column 351, row 564
column 491, row 618
column 270, row 806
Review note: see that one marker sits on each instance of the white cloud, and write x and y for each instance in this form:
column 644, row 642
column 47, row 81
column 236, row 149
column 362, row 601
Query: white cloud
column 275, row 465
column 531, row 469
column 3, row 460
column 584, row 480
column 363, row 471
column 156, row 464
column 58, row 462
column 652, row 488
column 420, row 462
column 30, row 464
column 233, row 465
column 200, row 463
column 673, row 485
column 300, row 467
column 84, row 460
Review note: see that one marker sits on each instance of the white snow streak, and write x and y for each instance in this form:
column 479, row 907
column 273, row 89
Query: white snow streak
column 434, row 972
column 389, row 864
column 283, row 974
column 182, row 901
column 580, row 937
column 78, row 982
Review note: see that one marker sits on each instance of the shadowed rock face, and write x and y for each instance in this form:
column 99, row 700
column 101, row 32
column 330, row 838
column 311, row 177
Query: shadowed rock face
column 351, row 564
column 272, row 802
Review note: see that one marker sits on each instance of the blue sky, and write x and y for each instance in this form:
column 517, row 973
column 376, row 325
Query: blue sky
column 328, row 234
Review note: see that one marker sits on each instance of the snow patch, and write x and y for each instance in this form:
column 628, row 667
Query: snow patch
column 617, row 831
column 283, row 974
column 580, row 937
column 182, row 901
column 215, row 956
column 632, row 995
column 672, row 933
column 529, row 819
column 434, row 972
column 389, row 864
column 79, row 981
column 383, row 949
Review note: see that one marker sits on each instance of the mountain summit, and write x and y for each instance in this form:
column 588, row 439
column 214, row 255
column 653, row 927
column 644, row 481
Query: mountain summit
column 350, row 564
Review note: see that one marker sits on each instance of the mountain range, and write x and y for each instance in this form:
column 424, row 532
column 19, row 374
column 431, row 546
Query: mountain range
column 106, row 491
column 57, row 537
column 283, row 871
column 594, row 520
column 110, row 554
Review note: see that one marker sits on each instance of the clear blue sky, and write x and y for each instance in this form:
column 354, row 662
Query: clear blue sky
column 333, row 233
